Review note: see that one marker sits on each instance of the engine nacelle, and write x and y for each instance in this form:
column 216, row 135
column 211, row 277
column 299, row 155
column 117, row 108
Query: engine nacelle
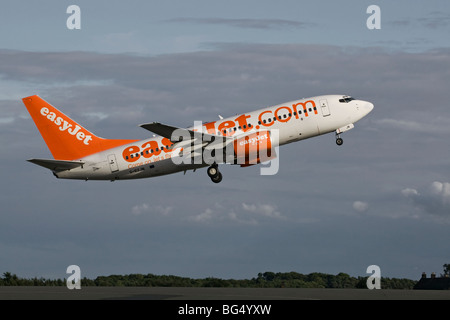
column 253, row 149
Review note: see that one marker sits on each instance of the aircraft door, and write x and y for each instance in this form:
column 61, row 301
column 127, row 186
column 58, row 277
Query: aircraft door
column 324, row 107
column 113, row 163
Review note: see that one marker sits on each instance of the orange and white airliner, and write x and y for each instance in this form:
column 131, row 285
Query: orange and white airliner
column 246, row 139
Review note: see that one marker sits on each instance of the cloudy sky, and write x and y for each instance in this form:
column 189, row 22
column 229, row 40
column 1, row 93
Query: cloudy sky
column 381, row 198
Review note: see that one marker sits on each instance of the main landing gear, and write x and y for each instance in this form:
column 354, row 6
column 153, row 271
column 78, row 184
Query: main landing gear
column 214, row 173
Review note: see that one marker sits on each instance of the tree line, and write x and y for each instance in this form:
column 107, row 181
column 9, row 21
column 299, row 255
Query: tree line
column 263, row 280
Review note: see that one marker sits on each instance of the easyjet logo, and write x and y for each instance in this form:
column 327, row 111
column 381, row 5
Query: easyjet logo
column 147, row 150
column 265, row 119
column 243, row 123
column 66, row 126
column 253, row 140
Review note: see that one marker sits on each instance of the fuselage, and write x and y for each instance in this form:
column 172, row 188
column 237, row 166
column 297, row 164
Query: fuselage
column 294, row 121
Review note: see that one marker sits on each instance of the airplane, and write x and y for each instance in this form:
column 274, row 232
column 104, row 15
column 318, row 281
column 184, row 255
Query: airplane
column 245, row 139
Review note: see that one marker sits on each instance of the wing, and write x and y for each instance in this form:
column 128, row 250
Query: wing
column 244, row 149
column 173, row 133
column 193, row 143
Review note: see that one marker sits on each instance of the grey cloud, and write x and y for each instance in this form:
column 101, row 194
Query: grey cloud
column 230, row 71
column 112, row 94
column 429, row 126
column 245, row 214
column 360, row 206
column 266, row 210
column 149, row 208
column 432, row 20
column 434, row 200
column 244, row 23
column 401, row 23
column 435, row 20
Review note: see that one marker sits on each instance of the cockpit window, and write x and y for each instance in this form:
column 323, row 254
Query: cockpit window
column 346, row 99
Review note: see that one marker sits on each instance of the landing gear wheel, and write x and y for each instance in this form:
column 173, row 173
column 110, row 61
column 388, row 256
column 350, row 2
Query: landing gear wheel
column 339, row 141
column 217, row 178
column 213, row 171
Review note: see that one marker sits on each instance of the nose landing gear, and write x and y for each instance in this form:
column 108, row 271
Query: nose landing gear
column 214, row 173
column 339, row 140
column 338, row 132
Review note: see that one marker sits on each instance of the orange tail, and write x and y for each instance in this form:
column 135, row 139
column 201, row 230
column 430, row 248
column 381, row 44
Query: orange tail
column 65, row 138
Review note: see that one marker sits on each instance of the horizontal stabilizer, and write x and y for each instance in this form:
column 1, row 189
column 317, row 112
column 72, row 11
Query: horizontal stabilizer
column 57, row 165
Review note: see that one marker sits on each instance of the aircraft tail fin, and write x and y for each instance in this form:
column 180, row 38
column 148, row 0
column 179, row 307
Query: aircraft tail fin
column 66, row 139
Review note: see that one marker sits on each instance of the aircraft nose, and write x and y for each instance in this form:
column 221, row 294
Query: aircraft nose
column 367, row 107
